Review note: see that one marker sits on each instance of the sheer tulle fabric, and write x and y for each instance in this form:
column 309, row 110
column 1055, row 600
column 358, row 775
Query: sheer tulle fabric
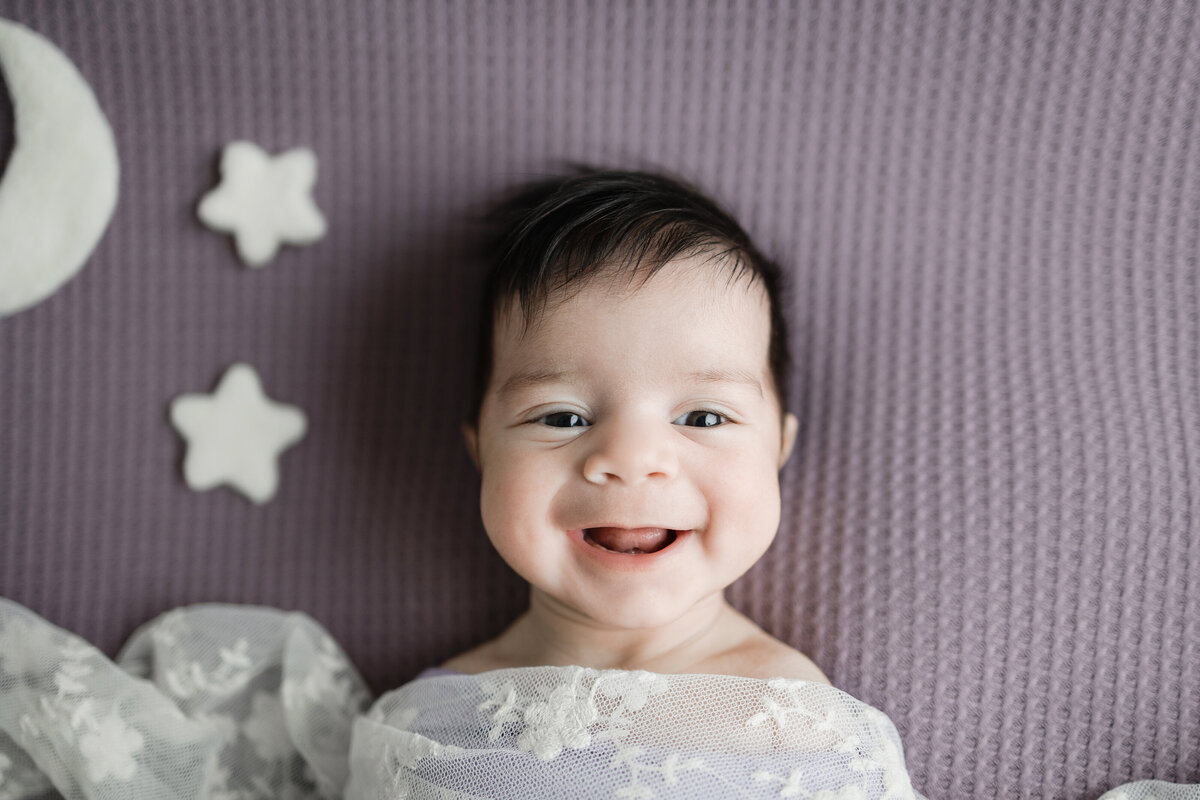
column 233, row 702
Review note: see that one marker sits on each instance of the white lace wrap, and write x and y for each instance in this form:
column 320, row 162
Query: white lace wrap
column 576, row 732
column 238, row 702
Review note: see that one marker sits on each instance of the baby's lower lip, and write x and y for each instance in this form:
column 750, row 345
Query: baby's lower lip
column 625, row 561
column 630, row 541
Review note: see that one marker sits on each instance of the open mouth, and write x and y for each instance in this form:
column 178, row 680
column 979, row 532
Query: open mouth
column 630, row 541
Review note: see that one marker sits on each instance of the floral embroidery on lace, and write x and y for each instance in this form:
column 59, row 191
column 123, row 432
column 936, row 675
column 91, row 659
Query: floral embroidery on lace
column 559, row 721
column 797, row 704
column 196, row 709
column 587, row 704
column 503, row 699
column 884, row 756
column 74, row 717
column 794, row 787
column 668, row 770
column 184, row 677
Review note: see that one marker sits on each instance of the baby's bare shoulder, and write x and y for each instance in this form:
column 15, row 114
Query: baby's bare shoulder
column 781, row 661
column 757, row 654
column 480, row 659
column 760, row 655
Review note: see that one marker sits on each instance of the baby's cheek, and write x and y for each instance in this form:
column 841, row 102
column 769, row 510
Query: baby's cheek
column 497, row 505
column 746, row 500
column 512, row 499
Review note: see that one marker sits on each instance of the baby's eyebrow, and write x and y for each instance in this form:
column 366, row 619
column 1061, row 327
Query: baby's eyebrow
column 533, row 377
column 718, row 375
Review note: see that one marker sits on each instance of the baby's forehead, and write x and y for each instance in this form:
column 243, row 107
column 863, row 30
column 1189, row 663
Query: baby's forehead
column 614, row 289
column 664, row 333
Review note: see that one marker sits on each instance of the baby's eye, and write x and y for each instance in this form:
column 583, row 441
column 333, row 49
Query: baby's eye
column 563, row 419
column 702, row 419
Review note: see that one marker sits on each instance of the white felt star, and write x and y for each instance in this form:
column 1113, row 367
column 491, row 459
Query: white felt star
column 236, row 434
column 264, row 201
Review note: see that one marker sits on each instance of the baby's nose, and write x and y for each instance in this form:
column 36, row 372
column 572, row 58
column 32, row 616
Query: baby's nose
column 630, row 453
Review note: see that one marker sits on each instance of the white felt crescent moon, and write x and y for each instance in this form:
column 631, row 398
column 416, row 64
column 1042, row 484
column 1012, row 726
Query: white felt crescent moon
column 60, row 187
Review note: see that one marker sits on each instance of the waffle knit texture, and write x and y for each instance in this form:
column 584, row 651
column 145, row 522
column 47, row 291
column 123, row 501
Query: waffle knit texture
column 987, row 214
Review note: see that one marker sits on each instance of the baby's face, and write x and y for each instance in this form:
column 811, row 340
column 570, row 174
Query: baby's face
column 635, row 417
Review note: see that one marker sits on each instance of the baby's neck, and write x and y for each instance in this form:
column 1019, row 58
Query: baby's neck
column 549, row 634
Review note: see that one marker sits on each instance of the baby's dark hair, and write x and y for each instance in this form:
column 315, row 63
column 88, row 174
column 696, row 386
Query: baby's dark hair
column 549, row 237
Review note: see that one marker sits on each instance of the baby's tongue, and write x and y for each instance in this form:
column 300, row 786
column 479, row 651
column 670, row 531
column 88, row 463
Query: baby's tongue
column 625, row 540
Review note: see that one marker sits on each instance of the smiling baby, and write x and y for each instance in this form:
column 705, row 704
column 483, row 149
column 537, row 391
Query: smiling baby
column 629, row 425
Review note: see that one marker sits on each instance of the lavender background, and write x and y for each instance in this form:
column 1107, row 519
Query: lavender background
column 988, row 213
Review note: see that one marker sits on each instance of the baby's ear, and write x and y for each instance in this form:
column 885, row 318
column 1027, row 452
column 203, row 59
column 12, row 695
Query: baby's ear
column 471, row 438
column 790, row 426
